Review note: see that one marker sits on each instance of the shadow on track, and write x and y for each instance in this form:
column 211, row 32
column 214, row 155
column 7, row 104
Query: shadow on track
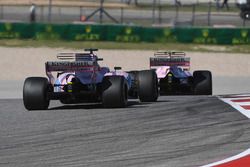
column 131, row 104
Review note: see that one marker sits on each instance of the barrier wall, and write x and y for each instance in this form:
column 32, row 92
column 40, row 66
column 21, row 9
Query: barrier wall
column 124, row 33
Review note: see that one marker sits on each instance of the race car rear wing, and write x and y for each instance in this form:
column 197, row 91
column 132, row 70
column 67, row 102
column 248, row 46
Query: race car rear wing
column 170, row 59
column 68, row 66
column 73, row 62
column 78, row 57
column 169, row 54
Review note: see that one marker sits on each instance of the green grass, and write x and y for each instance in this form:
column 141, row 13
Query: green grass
column 126, row 46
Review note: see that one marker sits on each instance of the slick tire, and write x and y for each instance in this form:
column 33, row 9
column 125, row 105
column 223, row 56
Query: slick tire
column 115, row 92
column 202, row 83
column 35, row 91
column 147, row 86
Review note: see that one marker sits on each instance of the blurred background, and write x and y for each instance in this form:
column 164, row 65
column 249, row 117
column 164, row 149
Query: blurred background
column 162, row 13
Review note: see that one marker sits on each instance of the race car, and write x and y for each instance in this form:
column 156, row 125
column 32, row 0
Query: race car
column 78, row 78
column 174, row 76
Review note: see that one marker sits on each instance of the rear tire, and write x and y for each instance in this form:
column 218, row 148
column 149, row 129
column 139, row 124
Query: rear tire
column 147, row 86
column 115, row 92
column 35, row 91
column 202, row 83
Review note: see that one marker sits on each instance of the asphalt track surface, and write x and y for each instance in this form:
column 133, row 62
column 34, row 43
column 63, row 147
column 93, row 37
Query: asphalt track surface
column 176, row 131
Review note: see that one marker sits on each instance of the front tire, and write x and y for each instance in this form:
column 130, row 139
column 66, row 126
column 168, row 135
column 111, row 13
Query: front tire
column 35, row 91
column 202, row 83
column 147, row 86
column 115, row 92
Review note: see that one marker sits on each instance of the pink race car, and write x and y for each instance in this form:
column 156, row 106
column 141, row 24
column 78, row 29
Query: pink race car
column 175, row 78
column 78, row 78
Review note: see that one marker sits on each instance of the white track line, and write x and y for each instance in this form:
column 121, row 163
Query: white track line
column 236, row 105
column 241, row 155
